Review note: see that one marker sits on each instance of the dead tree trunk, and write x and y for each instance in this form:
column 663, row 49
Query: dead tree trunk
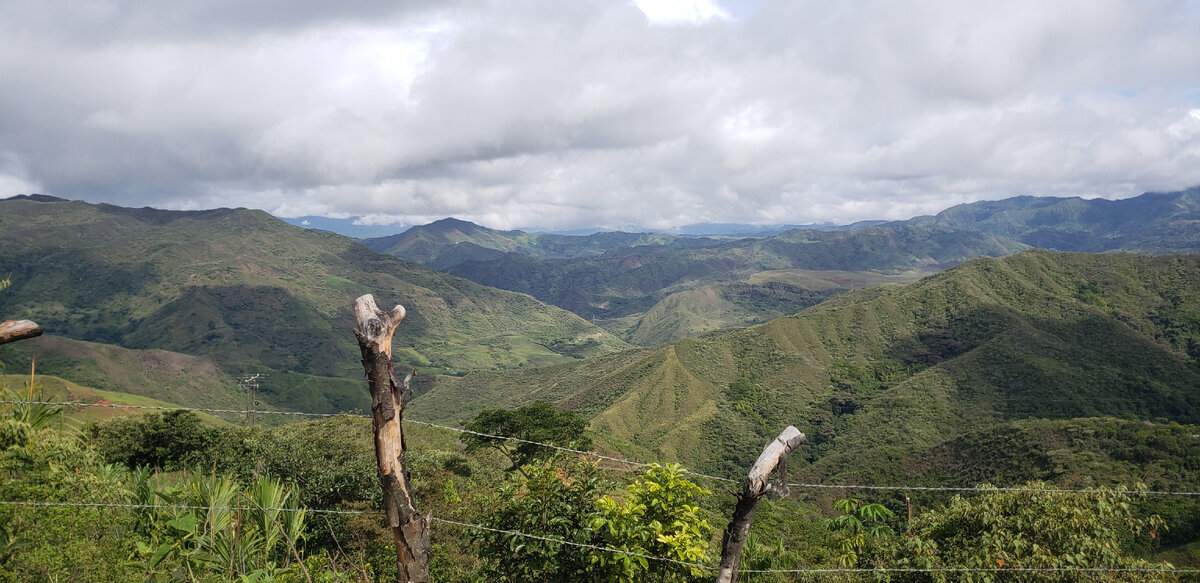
column 13, row 330
column 755, row 486
column 374, row 330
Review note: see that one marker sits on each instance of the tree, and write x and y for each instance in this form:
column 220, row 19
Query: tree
column 563, row 498
column 170, row 440
column 660, row 517
column 1030, row 528
column 552, row 498
column 540, row 422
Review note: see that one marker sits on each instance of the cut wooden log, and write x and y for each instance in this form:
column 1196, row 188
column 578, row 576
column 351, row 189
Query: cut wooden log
column 374, row 329
column 757, row 484
column 13, row 330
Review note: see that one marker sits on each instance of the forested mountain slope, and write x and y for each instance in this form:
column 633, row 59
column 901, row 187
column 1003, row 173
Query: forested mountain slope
column 448, row 242
column 618, row 287
column 880, row 376
column 251, row 292
column 1151, row 223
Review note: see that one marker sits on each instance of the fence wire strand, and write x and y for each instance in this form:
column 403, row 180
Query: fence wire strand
column 813, row 486
column 480, row 527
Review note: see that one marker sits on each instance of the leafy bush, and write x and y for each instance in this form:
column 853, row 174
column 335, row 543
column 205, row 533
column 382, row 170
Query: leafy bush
column 660, row 518
column 170, row 440
column 550, row 499
column 563, row 498
column 1029, row 528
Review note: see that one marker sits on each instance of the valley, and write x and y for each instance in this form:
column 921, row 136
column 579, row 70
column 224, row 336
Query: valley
column 922, row 354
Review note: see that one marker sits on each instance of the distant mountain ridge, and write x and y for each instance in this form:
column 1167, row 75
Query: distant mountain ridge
column 617, row 279
column 445, row 243
column 1151, row 223
column 621, row 285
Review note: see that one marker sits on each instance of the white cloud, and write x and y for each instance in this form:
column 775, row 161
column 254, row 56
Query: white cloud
column 590, row 113
column 672, row 11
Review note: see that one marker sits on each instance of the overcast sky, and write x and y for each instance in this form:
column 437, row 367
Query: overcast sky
column 586, row 113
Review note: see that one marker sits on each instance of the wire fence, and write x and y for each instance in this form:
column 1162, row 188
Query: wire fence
column 604, row 549
column 634, row 463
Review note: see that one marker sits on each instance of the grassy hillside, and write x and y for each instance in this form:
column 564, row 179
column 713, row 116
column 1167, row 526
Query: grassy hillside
column 154, row 374
column 764, row 296
column 618, row 279
column 1150, row 223
column 249, row 291
column 119, row 404
column 620, row 286
column 878, row 376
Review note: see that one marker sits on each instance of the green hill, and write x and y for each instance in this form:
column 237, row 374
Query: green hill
column 879, row 376
column 448, row 242
column 154, row 374
column 618, row 279
column 1150, row 223
column 764, row 296
column 618, row 287
column 251, row 293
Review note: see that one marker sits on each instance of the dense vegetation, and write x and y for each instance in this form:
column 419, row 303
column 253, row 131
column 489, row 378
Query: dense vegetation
column 251, row 293
column 624, row 283
column 196, row 502
column 1075, row 370
column 931, row 383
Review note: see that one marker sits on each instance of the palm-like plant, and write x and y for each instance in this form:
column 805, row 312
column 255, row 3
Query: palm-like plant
column 215, row 525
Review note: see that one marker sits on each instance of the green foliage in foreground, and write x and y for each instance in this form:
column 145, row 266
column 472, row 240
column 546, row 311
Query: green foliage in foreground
column 660, row 517
column 222, row 528
column 564, row 499
column 234, row 533
column 1031, row 529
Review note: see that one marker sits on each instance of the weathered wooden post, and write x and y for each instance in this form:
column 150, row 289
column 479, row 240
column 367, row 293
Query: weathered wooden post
column 374, row 329
column 755, row 486
column 13, row 330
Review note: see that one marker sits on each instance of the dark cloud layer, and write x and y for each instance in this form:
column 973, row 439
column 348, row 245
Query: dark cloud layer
column 563, row 114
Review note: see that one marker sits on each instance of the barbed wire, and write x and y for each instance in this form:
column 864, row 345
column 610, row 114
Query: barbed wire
column 172, row 506
column 1099, row 490
column 574, row 544
column 1174, row 570
column 813, row 570
column 960, row 489
column 163, row 408
column 359, row 415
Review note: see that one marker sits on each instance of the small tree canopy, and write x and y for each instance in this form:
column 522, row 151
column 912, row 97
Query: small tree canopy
column 1030, row 528
column 541, row 422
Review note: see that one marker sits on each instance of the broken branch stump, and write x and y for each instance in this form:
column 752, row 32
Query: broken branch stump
column 755, row 486
column 374, row 328
column 13, row 330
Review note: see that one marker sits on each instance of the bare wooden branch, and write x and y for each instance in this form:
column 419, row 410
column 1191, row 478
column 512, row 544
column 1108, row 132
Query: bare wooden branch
column 757, row 484
column 373, row 329
column 13, row 330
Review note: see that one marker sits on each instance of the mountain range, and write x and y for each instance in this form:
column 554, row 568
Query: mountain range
column 652, row 288
column 1076, row 368
column 1151, row 223
column 254, row 294
column 1079, row 369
